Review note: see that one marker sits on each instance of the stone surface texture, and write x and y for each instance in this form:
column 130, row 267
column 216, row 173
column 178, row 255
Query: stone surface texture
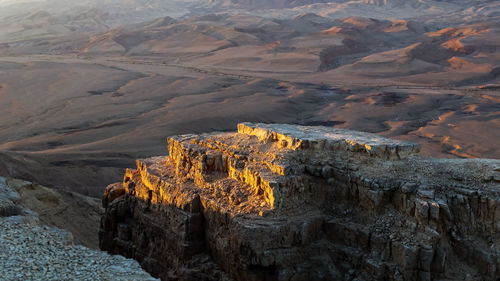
column 31, row 250
column 285, row 202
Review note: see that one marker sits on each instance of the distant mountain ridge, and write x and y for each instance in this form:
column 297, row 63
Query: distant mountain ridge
column 121, row 12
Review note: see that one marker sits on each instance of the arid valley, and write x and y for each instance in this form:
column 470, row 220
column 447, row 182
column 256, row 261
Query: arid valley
column 80, row 105
column 86, row 89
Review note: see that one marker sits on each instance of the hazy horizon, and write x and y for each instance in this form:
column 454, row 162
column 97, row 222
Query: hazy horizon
column 319, row 140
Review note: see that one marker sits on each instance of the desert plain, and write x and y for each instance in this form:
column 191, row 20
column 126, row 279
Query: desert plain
column 85, row 92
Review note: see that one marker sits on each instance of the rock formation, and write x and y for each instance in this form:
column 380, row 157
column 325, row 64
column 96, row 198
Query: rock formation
column 32, row 250
column 284, row 202
column 70, row 211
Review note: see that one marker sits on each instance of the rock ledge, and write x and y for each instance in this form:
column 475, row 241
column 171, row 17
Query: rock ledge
column 285, row 202
column 30, row 250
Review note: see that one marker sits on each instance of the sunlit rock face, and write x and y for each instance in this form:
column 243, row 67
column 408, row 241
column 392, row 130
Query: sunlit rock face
column 285, row 202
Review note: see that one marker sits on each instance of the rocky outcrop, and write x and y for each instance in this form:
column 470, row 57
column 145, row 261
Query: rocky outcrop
column 283, row 202
column 70, row 211
column 32, row 250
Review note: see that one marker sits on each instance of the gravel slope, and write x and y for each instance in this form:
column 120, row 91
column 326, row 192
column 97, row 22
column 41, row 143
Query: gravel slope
column 32, row 251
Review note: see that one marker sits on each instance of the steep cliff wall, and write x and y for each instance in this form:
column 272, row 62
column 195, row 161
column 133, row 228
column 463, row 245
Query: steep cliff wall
column 283, row 202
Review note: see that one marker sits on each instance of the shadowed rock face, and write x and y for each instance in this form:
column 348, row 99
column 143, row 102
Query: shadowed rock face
column 284, row 202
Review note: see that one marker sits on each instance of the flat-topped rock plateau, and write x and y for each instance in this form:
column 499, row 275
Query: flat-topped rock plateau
column 286, row 202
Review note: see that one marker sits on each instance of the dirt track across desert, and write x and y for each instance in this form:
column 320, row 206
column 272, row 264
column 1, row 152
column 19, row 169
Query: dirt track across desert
column 99, row 114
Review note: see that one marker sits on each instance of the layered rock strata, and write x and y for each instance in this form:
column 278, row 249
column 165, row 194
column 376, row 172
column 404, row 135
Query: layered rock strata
column 284, row 202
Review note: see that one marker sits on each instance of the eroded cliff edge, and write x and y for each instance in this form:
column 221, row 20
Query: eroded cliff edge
column 284, row 202
column 33, row 248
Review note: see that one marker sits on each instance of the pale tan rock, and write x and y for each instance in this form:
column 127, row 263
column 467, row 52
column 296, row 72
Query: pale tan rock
column 286, row 202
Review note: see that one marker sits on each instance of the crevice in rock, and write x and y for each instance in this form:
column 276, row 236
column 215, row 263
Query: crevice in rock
column 283, row 202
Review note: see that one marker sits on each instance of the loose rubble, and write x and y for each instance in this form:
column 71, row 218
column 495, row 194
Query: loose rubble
column 284, row 202
column 32, row 251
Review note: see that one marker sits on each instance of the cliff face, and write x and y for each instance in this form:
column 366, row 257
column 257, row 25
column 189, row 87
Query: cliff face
column 283, row 202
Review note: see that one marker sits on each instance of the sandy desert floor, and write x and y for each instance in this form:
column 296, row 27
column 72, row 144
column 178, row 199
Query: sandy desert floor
column 86, row 89
column 79, row 121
